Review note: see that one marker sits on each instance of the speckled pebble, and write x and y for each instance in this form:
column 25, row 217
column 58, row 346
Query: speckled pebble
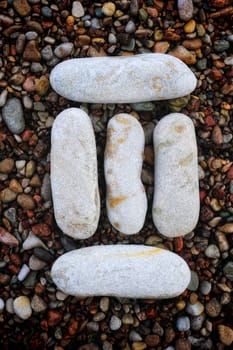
column 12, row 114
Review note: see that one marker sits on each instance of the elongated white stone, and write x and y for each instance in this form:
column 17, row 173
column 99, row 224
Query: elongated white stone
column 144, row 77
column 131, row 271
column 125, row 199
column 74, row 174
column 176, row 191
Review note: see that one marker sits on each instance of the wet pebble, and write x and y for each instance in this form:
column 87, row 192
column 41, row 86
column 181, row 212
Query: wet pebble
column 77, row 9
column 115, row 323
column 212, row 252
column 64, row 50
column 183, row 323
column 24, row 271
column 213, row 308
column 195, row 309
column 228, row 270
column 38, row 304
column 2, row 305
column 36, row 264
column 197, row 322
column 12, row 114
column 22, row 307
column 205, row 287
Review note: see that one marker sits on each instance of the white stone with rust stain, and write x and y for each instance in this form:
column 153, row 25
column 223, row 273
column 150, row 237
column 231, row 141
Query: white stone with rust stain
column 176, row 189
column 131, row 271
column 125, row 198
column 74, row 177
column 122, row 79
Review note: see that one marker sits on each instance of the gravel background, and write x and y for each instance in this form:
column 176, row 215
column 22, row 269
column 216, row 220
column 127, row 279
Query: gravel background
column 30, row 34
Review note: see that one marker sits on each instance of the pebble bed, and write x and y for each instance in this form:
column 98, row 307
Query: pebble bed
column 35, row 36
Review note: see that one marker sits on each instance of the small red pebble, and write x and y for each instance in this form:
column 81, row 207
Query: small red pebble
column 37, row 198
column 178, row 244
column 73, row 326
column 231, row 198
column 202, row 195
column 41, row 230
column 54, row 317
column 151, row 313
column 230, row 173
column 44, row 325
column 209, row 121
column 27, row 134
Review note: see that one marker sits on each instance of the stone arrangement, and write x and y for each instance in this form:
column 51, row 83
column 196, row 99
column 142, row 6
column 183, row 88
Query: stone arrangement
column 117, row 270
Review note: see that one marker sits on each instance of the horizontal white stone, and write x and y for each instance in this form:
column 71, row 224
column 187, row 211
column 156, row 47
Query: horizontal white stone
column 123, row 79
column 176, row 189
column 74, row 177
column 131, row 271
column 125, row 198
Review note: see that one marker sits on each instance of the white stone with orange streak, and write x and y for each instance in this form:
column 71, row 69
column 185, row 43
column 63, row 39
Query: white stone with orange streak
column 130, row 271
column 123, row 79
column 125, row 199
column 176, row 189
column 74, row 177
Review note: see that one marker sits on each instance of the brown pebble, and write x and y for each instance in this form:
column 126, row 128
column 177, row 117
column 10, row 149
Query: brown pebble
column 213, row 308
column 216, row 136
column 15, row 186
column 42, row 85
column 7, row 195
column 225, row 334
column 54, row 317
column 183, row 344
column 26, row 201
column 139, row 345
column 149, row 155
column 4, row 279
column 192, row 44
column 226, row 228
column 206, row 214
column 31, row 52
column 188, row 57
column 7, row 238
column 17, row 79
column 7, row 165
column 161, row 47
column 22, row 7
column 41, row 230
column 169, row 334
column 152, row 340
column 35, row 181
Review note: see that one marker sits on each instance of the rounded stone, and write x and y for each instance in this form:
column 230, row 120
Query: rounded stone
column 74, row 177
column 12, row 114
column 38, row 304
column 144, row 77
column 183, row 323
column 176, row 189
column 195, row 309
column 142, row 272
column 115, row 323
column 108, row 9
column 22, row 307
column 213, row 308
column 212, row 252
column 7, row 165
column 63, row 50
column 228, row 270
column 205, row 287
column 77, row 9
column 126, row 200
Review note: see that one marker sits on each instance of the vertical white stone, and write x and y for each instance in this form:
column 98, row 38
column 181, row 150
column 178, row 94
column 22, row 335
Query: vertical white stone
column 126, row 199
column 74, row 175
column 176, row 189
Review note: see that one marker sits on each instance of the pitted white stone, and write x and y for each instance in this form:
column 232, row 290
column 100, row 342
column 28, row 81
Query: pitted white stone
column 176, row 189
column 125, row 198
column 131, row 271
column 74, row 177
column 122, row 79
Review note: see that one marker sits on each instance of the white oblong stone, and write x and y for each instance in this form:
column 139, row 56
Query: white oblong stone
column 130, row 271
column 74, row 176
column 176, row 190
column 125, row 198
column 145, row 77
